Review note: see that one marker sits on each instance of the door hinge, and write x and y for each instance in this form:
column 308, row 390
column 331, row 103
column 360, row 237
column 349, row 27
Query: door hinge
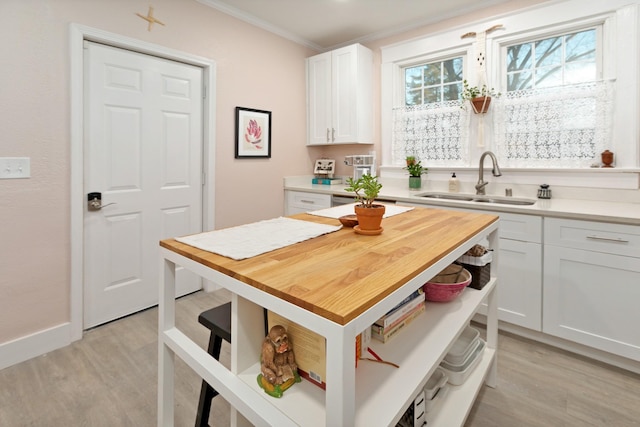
column 204, row 92
column 204, row 178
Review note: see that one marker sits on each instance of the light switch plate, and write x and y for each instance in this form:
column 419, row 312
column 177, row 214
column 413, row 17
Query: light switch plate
column 15, row 167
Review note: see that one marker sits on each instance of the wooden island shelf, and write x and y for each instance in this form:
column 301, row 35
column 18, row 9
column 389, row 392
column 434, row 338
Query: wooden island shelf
column 337, row 285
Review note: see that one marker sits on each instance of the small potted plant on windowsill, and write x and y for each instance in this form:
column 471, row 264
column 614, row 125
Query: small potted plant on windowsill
column 416, row 170
column 479, row 97
column 366, row 189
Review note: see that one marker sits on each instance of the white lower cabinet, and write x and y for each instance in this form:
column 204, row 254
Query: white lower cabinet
column 296, row 202
column 592, row 284
column 520, row 296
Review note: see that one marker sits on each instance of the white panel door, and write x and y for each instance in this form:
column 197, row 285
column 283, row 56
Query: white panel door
column 143, row 152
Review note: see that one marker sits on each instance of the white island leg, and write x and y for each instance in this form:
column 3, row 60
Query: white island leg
column 341, row 377
column 166, row 357
column 492, row 313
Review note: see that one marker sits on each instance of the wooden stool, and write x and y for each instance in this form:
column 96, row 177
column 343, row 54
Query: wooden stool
column 218, row 321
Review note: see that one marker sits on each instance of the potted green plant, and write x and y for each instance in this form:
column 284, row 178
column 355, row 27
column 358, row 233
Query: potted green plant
column 479, row 97
column 366, row 189
column 416, row 170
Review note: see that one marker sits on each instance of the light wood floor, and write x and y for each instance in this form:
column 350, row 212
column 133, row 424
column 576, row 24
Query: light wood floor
column 109, row 379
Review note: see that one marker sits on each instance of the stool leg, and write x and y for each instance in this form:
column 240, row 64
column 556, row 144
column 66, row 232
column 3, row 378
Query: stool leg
column 207, row 393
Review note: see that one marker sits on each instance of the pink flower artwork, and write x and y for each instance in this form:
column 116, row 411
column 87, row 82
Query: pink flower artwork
column 253, row 134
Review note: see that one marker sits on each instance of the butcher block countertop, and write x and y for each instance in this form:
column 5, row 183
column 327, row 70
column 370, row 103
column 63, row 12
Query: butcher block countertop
column 342, row 274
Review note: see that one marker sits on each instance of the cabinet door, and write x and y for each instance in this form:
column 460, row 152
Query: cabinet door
column 592, row 298
column 520, row 283
column 352, row 86
column 344, row 80
column 339, row 97
column 319, row 99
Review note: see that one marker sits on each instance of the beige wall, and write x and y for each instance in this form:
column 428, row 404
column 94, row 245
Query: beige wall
column 255, row 69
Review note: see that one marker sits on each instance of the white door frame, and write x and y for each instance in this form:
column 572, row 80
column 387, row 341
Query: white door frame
column 79, row 33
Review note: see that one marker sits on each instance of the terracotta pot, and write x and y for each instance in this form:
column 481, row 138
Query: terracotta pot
column 481, row 104
column 370, row 219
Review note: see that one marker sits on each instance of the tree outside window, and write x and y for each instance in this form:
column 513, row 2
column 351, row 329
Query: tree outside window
column 555, row 61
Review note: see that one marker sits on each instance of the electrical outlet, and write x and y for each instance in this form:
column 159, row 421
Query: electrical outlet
column 15, row 167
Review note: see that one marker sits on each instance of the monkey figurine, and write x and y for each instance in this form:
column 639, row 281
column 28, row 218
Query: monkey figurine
column 278, row 365
column 278, row 360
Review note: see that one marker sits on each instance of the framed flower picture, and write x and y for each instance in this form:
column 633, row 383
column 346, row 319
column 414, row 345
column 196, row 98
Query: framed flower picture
column 253, row 133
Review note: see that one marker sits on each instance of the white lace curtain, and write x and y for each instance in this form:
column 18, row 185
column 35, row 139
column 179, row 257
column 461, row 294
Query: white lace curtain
column 436, row 134
column 554, row 127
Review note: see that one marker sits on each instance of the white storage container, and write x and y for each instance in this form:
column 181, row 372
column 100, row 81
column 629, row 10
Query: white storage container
column 458, row 377
column 463, row 347
column 434, row 383
column 430, row 405
column 457, row 367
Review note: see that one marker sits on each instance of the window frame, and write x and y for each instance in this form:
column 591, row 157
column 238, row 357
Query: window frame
column 438, row 59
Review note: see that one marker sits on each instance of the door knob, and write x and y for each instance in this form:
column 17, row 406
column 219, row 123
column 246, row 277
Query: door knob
column 94, row 202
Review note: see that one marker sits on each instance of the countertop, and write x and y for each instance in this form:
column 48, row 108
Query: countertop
column 364, row 269
column 397, row 190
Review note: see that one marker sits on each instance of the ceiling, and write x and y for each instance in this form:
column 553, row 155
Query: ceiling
column 326, row 24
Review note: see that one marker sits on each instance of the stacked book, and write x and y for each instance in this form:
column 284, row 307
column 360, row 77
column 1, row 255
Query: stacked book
column 400, row 316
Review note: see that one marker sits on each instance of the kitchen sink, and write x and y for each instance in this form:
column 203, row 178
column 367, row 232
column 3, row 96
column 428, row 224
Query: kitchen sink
column 479, row 199
column 446, row 196
column 505, row 201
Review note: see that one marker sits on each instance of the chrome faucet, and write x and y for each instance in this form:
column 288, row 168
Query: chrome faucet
column 495, row 171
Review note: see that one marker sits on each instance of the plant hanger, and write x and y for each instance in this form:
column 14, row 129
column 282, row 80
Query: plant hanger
column 481, row 70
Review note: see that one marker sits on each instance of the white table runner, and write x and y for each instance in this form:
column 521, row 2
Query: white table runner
column 341, row 210
column 249, row 240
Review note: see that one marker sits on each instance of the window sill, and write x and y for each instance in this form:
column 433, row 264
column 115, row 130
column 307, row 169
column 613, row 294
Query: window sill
column 607, row 178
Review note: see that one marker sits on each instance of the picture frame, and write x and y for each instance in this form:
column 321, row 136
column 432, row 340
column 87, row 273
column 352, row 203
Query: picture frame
column 253, row 133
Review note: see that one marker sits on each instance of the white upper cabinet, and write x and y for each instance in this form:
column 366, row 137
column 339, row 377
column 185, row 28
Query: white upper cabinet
column 339, row 98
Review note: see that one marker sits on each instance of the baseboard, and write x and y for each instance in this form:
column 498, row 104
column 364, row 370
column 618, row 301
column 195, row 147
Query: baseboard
column 36, row 344
column 563, row 344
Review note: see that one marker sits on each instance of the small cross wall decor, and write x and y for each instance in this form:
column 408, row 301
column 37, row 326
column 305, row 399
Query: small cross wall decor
column 150, row 18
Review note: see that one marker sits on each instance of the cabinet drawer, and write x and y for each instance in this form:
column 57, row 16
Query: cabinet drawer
column 526, row 228
column 307, row 201
column 620, row 239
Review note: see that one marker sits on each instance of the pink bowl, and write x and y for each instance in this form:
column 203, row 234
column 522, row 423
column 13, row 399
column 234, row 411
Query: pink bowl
column 448, row 284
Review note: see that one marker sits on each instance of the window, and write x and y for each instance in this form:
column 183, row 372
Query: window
column 434, row 82
column 431, row 126
column 555, row 61
column 555, row 113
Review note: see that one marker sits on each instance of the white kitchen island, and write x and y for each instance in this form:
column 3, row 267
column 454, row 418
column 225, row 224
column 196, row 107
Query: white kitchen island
column 337, row 285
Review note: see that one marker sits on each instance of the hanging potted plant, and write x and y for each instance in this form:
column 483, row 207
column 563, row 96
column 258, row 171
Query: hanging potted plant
column 366, row 189
column 478, row 97
column 415, row 172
